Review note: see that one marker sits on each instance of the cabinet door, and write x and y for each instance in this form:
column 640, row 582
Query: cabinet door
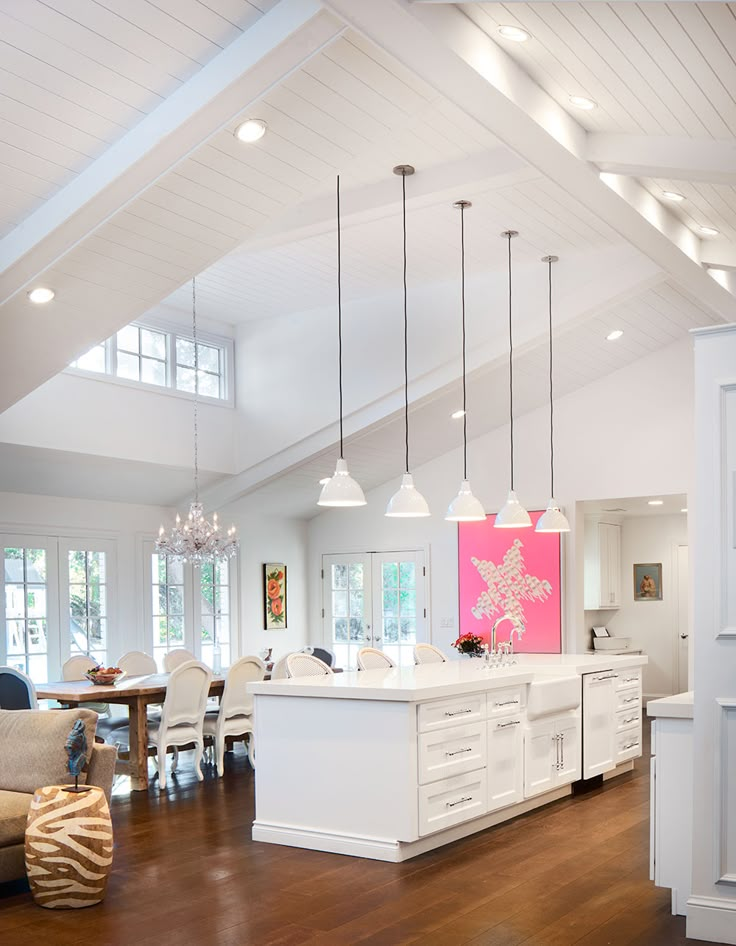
column 540, row 759
column 613, row 543
column 599, row 723
column 568, row 731
column 505, row 760
column 604, row 566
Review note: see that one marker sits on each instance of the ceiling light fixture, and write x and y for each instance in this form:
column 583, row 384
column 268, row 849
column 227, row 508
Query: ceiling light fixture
column 614, row 335
column 673, row 195
column 41, row 295
column 197, row 541
column 552, row 519
column 512, row 515
column 656, row 502
column 407, row 502
column 581, row 101
column 456, row 415
column 709, row 231
column 325, row 479
column 341, row 489
column 251, row 130
column 464, row 507
column 515, row 33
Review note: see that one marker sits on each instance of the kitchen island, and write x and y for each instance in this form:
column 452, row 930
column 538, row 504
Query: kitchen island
column 387, row 764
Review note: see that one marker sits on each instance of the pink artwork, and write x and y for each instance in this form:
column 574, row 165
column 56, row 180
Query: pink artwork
column 515, row 572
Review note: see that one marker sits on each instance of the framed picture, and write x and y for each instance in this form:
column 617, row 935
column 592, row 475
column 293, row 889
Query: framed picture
column 648, row 582
column 515, row 573
column 274, row 595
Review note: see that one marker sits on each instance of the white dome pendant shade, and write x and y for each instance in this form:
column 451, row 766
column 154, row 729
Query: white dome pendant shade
column 464, row 507
column 407, row 502
column 551, row 520
column 512, row 515
column 341, row 490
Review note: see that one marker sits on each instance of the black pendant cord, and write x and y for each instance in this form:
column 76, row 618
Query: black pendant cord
column 551, row 402
column 406, row 329
column 196, row 390
column 339, row 312
column 462, row 298
column 511, row 371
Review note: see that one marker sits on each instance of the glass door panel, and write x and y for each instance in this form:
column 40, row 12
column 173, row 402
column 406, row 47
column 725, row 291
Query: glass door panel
column 399, row 603
column 347, row 582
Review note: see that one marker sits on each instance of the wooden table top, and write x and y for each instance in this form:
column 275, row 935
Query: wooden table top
column 84, row 691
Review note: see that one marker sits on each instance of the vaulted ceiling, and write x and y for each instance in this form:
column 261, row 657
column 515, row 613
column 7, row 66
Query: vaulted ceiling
column 121, row 179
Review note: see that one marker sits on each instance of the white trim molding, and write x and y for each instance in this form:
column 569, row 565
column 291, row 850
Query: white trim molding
column 725, row 787
column 711, row 919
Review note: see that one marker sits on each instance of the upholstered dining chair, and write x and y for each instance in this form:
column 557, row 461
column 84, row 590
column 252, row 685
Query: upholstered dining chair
column 234, row 717
column 17, row 691
column 137, row 663
column 428, row 654
column 75, row 668
column 279, row 671
column 177, row 656
column 370, row 658
column 306, row 665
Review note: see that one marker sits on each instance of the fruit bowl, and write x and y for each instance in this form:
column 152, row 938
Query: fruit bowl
column 105, row 676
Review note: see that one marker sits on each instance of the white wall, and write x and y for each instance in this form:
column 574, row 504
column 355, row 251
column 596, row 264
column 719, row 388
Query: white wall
column 652, row 624
column 601, row 450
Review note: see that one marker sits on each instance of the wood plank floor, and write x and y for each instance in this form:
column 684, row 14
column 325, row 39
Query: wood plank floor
column 187, row 874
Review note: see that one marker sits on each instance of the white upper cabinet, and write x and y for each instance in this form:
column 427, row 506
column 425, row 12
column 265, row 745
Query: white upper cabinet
column 602, row 565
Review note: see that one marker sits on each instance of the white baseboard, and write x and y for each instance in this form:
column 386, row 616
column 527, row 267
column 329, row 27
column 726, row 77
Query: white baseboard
column 712, row 919
column 382, row 849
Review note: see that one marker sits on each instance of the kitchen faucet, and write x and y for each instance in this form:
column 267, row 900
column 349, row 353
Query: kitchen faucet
column 519, row 631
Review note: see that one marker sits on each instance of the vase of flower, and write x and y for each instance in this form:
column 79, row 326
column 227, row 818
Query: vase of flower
column 469, row 644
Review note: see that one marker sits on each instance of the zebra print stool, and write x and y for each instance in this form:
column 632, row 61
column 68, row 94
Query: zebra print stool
column 68, row 847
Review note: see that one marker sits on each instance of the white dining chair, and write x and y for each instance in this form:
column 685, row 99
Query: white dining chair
column 182, row 716
column 75, row 668
column 235, row 714
column 328, row 656
column 174, row 658
column 16, row 690
column 137, row 663
column 371, row 658
column 306, row 665
column 279, row 671
column 428, row 654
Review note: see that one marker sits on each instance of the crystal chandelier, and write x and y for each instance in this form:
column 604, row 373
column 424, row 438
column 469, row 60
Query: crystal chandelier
column 196, row 540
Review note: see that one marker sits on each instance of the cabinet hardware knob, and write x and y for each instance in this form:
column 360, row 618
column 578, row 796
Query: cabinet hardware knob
column 460, row 801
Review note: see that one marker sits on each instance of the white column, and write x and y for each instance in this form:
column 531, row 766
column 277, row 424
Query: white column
column 712, row 905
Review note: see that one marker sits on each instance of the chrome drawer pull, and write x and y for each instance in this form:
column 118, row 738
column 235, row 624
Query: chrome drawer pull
column 514, row 702
column 458, row 712
column 631, row 719
column 631, row 745
column 457, row 752
column 631, row 699
column 608, row 676
column 511, row 722
column 460, row 801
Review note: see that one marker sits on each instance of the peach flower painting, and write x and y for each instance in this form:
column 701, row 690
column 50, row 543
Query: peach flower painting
column 274, row 580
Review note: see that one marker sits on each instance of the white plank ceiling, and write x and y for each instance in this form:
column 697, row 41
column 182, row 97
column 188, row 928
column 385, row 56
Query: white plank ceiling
column 653, row 68
column 705, row 204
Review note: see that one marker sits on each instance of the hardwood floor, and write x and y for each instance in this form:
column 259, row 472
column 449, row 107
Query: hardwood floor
column 187, row 874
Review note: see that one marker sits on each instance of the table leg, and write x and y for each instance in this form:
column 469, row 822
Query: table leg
column 138, row 746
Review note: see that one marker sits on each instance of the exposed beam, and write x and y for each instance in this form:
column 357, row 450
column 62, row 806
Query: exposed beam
column 454, row 56
column 682, row 159
column 275, row 46
column 719, row 254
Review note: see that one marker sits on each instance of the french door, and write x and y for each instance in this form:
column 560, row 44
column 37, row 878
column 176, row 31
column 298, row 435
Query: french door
column 374, row 599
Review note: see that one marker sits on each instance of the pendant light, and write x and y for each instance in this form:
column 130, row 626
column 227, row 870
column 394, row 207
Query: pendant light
column 552, row 520
column 464, row 507
column 407, row 502
column 341, row 489
column 512, row 515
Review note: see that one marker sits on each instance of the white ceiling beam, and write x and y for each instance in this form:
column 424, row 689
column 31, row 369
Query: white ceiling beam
column 273, row 48
column 681, row 159
column 446, row 49
column 719, row 254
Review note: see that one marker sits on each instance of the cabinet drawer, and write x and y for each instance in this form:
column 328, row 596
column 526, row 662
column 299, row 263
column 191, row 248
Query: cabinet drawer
column 628, row 718
column 628, row 678
column 628, row 699
column 460, row 709
column 451, row 801
column 451, row 751
column 628, row 745
column 504, row 702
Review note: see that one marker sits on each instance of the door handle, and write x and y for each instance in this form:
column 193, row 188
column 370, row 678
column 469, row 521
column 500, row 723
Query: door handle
column 684, row 637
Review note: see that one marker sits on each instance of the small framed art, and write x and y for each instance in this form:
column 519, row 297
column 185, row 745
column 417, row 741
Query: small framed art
column 274, row 595
column 648, row 582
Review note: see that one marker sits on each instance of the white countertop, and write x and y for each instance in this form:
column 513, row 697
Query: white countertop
column 431, row 681
column 678, row 706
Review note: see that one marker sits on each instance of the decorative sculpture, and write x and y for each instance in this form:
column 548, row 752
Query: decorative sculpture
column 76, row 749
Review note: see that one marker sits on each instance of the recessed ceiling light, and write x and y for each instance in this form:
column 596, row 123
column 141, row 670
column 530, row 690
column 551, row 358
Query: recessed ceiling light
column 673, row 195
column 612, row 336
column 514, row 33
column 580, row 101
column 456, row 415
column 656, row 502
column 684, row 509
column 41, row 295
column 708, row 231
column 252, row 130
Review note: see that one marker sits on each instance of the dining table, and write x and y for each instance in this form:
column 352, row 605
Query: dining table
column 135, row 692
